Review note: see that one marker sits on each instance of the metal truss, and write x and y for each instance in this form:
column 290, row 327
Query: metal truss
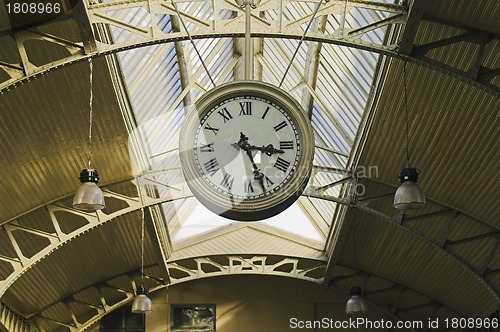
column 12, row 322
column 204, row 267
column 269, row 20
column 350, row 198
column 111, row 295
column 316, row 271
column 20, row 263
column 182, row 271
column 288, row 267
column 339, row 283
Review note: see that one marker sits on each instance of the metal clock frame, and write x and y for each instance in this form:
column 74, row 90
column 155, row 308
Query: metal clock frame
column 256, row 208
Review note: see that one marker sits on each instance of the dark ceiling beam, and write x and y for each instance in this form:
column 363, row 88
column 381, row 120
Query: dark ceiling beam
column 310, row 76
column 184, row 69
column 81, row 16
column 414, row 16
column 483, row 80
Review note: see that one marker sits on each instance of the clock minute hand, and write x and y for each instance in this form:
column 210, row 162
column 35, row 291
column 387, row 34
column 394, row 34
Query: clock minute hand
column 257, row 174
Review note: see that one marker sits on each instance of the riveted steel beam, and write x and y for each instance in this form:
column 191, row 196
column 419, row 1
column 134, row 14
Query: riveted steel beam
column 10, row 321
column 351, row 200
column 183, row 271
column 99, row 15
column 21, row 264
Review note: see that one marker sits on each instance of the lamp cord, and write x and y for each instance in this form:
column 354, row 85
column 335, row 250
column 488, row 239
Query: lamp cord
column 192, row 42
column 406, row 116
column 354, row 246
column 300, row 42
column 90, row 112
column 142, row 248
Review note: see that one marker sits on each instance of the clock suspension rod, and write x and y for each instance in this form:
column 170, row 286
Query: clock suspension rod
column 313, row 16
column 248, row 4
column 192, row 42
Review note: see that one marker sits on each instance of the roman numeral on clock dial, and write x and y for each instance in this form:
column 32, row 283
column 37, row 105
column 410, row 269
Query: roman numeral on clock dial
column 265, row 113
column 247, row 186
column 282, row 164
column 245, row 108
column 214, row 130
column 286, row 145
column 268, row 181
column 227, row 181
column 280, row 126
column 207, row 147
column 225, row 114
column 212, row 166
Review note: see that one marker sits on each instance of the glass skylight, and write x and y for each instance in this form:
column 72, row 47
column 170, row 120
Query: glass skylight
column 162, row 80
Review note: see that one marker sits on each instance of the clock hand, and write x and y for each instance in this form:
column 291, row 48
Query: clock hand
column 269, row 150
column 257, row 174
column 249, row 154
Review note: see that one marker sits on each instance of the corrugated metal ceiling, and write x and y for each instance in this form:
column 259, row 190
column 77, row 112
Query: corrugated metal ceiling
column 442, row 260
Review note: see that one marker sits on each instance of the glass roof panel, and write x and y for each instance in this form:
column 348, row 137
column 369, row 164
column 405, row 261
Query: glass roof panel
column 162, row 79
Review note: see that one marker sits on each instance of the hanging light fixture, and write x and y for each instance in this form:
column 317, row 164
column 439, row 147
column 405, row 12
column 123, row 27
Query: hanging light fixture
column 408, row 195
column 89, row 196
column 356, row 304
column 142, row 303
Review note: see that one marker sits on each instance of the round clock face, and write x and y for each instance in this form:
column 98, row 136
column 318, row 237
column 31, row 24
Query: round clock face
column 246, row 150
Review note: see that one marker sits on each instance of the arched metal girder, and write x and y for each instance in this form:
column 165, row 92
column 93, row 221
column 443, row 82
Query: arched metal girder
column 20, row 263
column 269, row 20
column 114, row 294
column 10, row 321
column 445, row 246
column 194, row 268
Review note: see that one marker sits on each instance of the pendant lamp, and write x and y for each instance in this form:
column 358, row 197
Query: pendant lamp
column 408, row 195
column 356, row 304
column 89, row 196
column 142, row 303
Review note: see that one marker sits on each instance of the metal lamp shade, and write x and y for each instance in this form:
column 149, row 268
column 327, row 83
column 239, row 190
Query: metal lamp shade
column 142, row 303
column 409, row 196
column 355, row 304
column 89, row 197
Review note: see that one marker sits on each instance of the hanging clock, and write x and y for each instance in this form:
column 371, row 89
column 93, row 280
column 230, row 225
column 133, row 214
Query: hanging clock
column 246, row 150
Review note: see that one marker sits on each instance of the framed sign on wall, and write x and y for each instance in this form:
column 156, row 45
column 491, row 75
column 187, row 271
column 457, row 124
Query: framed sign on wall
column 193, row 318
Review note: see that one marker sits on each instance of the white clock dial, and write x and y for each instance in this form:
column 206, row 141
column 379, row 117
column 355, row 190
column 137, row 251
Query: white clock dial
column 246, row 150
column 247, row 147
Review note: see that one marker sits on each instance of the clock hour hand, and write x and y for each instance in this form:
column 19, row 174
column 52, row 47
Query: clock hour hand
column 269, row 150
